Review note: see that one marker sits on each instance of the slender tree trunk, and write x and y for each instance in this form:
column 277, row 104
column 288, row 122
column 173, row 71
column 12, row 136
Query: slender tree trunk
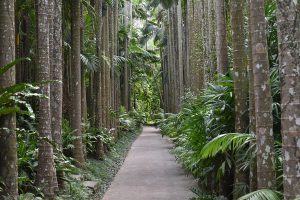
column 186, row 63
column 289, row 60
column 98, row 11
column 179, row 38
column 8, row 146
column 252, row 118
column 221, row 38
column 195, row 27
column 83, row 85
column 263, row 100
column 126, row 71
column 55, row 57
column 76, row 85
column 240, row 82
column 57, row 74
column 107, row 70
column 212, row 38
column 46, row 170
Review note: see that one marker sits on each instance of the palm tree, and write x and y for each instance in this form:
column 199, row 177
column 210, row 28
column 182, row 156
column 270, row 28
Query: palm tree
column 221, row 38
column 288, row 20
column 8, row 146
column 98, row 117
column 263, row 100
column 56, row 73
column 195, row 43
column 126, row 91
column 252, row 118
column 76, row 84
column 46, row 170
column 240, row 78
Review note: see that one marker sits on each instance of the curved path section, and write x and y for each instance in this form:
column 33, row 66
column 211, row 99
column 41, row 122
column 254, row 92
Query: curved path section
column 150, row 172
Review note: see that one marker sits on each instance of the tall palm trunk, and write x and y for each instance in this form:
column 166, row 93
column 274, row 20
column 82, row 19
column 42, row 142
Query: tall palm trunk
column 289, row 61
column 126, row 88
column 221, row 38
column 212, row 37
column 252, row 118
column 57, row 74
column 55, row 45
column 76, row 85
column 263, row 100
column 8, row 146
column 46, row 170
column 240, row 81
column 98, row 124
column 195, row 40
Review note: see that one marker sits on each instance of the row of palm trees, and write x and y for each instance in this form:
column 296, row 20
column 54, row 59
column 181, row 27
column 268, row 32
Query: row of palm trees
column 56, row 41
column 210, row 28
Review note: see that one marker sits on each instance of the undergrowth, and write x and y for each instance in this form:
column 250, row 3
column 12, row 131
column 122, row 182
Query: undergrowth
column 101, row 171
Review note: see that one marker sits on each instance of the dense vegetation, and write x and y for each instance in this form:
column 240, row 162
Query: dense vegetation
column 79, row 78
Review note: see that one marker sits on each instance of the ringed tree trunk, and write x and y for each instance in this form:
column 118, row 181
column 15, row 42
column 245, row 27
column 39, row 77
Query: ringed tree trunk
column 55, row 58
column 46, row 170
column 8, row 146
column 252, row 118
column 266, row 177
column 126, row 87
column 212, row 38
column 75, row 117
column 221, row 38
column 98, row 124
column 195, row 43
column 240, row 83
column 289, row 60
column 57, row 74
column 185, row 47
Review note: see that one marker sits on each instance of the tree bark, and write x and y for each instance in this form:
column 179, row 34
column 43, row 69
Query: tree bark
column 126, row 88
column 240, row 82
column 221, row 38
column 46, row 170
column 76, row 85
column 252, row 118
column 8, row 146
column 57, row 74
column 288, row 20
column 263, row 100
column 212, row 38
column 98, row 11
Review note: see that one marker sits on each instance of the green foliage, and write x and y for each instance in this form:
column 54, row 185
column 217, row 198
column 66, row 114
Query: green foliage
column 130, row 122
column 203, row 132
column 93, row 135
column 226, row 143
column 102, row 171
column 263, row 194
column 201, row 118
column 28, row 141
column 204, row 196
column 67, row 137
column 27, row 158
column 14, row 99
column 165, row 3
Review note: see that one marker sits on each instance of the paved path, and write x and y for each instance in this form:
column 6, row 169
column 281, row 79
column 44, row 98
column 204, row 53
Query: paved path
column 150, row 172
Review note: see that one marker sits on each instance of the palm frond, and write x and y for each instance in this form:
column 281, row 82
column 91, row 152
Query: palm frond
column 225, row 142
column 10, row 65
column 264, row 194
column 90, row 61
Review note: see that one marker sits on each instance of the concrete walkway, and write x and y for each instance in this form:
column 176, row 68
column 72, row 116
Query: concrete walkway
column 150, row 172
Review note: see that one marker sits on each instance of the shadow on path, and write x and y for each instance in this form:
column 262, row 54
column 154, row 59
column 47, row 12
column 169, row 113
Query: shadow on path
column 150, row 172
